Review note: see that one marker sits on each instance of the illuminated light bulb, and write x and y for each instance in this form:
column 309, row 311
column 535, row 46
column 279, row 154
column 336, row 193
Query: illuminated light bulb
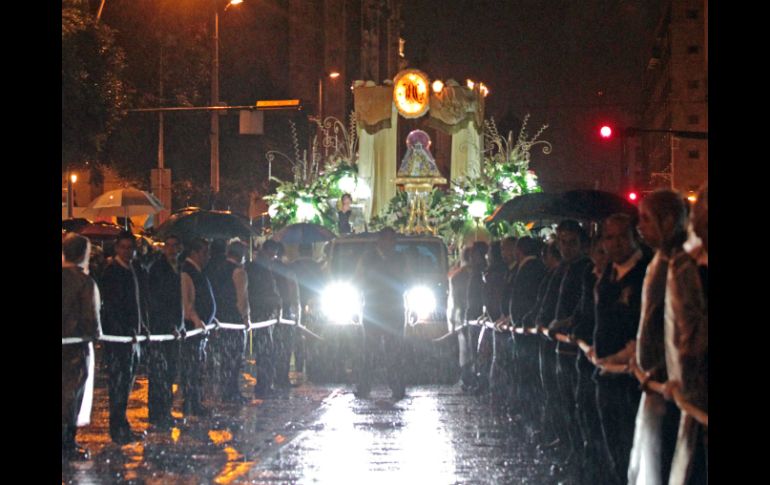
column 305, row 211
column 470, row 84
column 347, row 184
column 477, row 209
column 437, row 86
column 531, row 180
column 362, row 190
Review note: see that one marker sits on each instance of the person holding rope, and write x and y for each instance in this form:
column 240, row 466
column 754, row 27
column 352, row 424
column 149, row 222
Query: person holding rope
column 573, row 244
column 165, row 318
column 80, row 318
column 662, row 225
column 122, row 316
column 230, row 286
column 618, row 296
column 382, row 275
column 199, row 309
column 686, row 327
column 264, row 304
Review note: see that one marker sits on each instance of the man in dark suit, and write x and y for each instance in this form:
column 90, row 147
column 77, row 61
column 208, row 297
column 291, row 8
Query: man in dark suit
column 165, row 297
column 199, row 309
column 122, row 316
column 381, row 275
column 526, row 281
column 618, row 297
column 264, row 304
column 80, row 318
column 573, row 244
column 230, row 286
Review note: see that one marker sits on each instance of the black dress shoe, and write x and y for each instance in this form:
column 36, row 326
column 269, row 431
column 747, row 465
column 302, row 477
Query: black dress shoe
column 75, row 452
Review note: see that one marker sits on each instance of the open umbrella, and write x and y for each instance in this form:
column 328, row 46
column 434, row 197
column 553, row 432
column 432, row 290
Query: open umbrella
column 596, row 205
column 303, row 233
column 125, row 203
column 190, row 223
column 590, row 205
column 527, row 207
column 100, row 230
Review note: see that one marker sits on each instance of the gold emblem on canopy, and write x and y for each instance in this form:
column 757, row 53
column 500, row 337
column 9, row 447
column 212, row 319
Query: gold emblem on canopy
column 418, row 173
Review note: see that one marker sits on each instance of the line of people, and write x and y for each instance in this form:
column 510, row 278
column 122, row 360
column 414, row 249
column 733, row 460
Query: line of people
column 176, row 295
column 623, row 301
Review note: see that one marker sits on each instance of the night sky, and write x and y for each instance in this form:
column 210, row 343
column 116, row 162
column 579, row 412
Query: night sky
column 571, row 64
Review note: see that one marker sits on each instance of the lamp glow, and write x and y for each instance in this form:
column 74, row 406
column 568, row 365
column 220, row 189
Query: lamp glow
column 437, row 86
column 347, row 184
column 477, row 209
column 362, row 190
column 421, row 301
column 340, row 303
column 305, row 211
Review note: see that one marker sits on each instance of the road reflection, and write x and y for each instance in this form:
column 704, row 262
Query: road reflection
column 378, row 441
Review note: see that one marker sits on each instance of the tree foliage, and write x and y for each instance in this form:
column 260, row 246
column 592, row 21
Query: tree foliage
column 93, row 92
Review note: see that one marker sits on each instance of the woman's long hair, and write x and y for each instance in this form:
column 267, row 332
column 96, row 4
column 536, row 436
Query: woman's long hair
column 668, row 203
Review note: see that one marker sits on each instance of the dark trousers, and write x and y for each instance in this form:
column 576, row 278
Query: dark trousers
column 566, row 377
column 468, row 338
column 594, row 452
column 122, row 362
column 375, row 335
column 502, row 371
column 549, row 409
column 228, row 347
column 161, row 373
column 617, row 400
column 193, row 362
column 265, row 355
column 527, row 384
column 283, row 341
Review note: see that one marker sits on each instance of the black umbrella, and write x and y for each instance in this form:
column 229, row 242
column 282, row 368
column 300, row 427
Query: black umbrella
column 527, row 207
column 590, row 205
column 192, row 222
column 303, row 233
column 595, row 205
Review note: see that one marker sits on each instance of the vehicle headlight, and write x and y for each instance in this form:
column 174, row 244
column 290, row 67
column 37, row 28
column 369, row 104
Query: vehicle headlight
column 421, row 301
column 340, row 302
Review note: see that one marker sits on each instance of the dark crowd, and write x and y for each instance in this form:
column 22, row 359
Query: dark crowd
column 558, row 332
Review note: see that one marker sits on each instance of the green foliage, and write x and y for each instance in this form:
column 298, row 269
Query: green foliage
column 505, row 174
column 93, row 91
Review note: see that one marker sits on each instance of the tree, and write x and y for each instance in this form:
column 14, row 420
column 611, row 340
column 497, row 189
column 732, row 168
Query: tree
column 93, row 93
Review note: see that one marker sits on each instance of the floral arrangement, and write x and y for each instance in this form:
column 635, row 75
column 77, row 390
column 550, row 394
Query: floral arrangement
column 330, row 171
column 504, row 175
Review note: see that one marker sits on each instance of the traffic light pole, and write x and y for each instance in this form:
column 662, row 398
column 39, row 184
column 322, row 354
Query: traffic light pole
column 699, row 135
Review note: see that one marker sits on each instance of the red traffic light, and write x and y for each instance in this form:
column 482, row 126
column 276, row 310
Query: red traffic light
column 632, row 196
column 605, row 131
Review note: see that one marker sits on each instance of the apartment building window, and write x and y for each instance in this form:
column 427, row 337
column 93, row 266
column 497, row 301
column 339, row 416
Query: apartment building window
column 691, row 13
column 693, row 154
column 693, row 119
column 693, row 84
column 693, row 49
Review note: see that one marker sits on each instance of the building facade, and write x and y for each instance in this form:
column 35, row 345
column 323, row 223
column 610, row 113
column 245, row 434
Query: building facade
column 675, row 97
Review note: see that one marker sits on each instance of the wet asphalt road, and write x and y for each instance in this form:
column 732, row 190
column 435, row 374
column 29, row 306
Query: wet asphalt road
column 320, row 434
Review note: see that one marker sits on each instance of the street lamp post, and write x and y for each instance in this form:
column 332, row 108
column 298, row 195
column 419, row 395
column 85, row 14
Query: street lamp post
column 71, row 179
column 332, row 75
column 214, row 135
